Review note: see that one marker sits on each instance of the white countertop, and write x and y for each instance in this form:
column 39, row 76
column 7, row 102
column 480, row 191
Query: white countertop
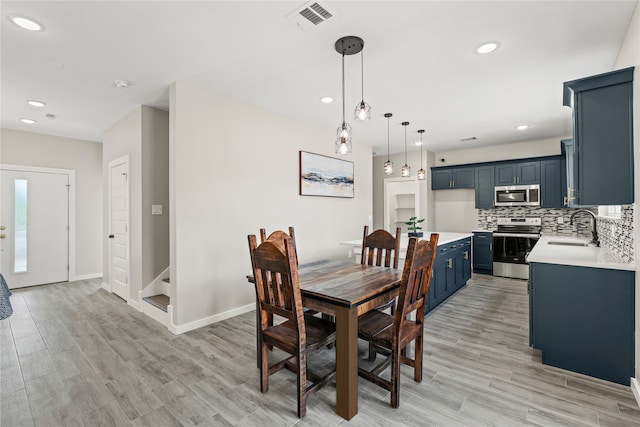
column 590, row 256
column 443, row 238
column 479, row 230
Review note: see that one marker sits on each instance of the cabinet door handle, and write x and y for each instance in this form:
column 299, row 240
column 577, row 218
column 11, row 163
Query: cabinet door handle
column 490, row 246
column 466, row 254
column 514, row 179
column 449, row 263
column 564, row 203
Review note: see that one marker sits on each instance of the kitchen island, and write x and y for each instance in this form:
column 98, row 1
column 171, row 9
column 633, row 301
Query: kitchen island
column 581, row 308
column 452, row 267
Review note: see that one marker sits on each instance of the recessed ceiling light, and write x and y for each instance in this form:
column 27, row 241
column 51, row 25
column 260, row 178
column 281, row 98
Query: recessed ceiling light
column 487, row 47
column 418, row 143
column 522, row 127
column 27, row 121
column 123, row 84
column 35, row 103
column 326, row 99
column 26, row 23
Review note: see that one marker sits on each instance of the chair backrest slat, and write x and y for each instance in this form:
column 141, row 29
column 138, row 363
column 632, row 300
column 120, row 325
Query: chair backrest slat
column 380, row 245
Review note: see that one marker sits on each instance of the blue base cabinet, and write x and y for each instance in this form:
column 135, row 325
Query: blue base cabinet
column 582, row 319
column 451, row 270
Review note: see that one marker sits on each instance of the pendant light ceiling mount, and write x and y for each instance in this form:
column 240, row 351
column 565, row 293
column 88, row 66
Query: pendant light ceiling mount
column 349, row 45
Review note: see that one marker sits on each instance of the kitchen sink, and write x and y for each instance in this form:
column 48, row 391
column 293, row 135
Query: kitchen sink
column 562, row 243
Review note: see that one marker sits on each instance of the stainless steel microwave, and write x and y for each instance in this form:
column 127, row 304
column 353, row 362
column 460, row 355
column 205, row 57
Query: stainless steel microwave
column 517, row 195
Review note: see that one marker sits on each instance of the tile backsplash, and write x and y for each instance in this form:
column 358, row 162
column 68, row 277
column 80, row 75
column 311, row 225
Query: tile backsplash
column 615, row 234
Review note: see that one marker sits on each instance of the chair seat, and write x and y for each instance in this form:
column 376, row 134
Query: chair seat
column 319, row 332
column 376, row 327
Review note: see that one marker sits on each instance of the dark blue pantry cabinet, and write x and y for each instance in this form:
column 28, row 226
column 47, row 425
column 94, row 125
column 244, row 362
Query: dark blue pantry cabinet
column 582, row 319
column 483, row 252
column 451, row 271
column 602, row 157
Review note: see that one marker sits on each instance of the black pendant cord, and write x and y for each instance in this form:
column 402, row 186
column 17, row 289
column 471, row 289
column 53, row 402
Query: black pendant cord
column 405, row 145
column 343, row 116
column 362, row 72
column 388, row 158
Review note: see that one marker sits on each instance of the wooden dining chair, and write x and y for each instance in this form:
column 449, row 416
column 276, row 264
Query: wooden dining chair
column 280, row 235
column 392, row 334
column 276, row 280
column 380, row 246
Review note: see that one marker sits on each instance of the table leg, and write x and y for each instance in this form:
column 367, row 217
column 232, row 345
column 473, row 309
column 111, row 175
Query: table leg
column 346, row 362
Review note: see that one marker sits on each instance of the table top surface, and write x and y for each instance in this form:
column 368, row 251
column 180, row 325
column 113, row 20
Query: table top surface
column 346, row 283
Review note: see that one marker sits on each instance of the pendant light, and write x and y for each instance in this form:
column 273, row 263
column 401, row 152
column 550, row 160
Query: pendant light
column 347, row 45
column 362, row 111
column 388, row 165
column 421, row 173
column 406, row 170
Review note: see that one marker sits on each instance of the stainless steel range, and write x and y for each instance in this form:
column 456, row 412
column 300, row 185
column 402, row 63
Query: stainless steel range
column 512, row 242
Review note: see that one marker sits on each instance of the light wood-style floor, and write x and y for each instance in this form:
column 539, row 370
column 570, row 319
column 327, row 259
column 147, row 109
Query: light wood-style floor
column 73, row 354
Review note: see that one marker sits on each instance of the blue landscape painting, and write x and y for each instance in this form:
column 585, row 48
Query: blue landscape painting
column 325, row 176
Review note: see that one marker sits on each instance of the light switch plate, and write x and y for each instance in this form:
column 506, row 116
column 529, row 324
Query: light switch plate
column 156, row 209
column 560, row 220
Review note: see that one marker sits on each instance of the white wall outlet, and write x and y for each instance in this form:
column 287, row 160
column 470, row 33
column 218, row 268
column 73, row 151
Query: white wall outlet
column 488, row 219
column 560, row 220
column 156, row 209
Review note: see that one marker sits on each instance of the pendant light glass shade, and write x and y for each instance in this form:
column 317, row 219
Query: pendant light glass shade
column 388, row 165
column 362, row 111
column 421, row 172
column 343, row 141
column 406, row 170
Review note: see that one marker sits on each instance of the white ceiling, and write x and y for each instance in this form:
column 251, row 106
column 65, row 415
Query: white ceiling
column 419, row 63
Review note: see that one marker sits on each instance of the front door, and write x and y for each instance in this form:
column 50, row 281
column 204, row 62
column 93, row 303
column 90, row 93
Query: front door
column 34, row 227
column 119, row 225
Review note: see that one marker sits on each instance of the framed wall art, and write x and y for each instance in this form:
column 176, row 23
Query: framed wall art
column 325, row 176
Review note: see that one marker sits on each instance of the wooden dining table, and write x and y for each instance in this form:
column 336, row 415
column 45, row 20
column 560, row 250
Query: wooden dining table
column 346, row 290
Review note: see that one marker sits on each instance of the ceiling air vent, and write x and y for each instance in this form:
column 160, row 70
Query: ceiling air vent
column 309, row 15
column 470, row 138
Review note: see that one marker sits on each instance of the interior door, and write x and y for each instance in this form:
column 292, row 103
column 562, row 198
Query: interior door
column 119, row 225
column 34, row 228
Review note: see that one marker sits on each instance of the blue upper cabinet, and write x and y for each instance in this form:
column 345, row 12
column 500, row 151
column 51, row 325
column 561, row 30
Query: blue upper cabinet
column 484, row 187
column 602, row 138
column 514, row 173
column 454, row 177
column 551, row 183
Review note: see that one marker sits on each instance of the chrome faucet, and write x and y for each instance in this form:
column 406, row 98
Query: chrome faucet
column 594, row 231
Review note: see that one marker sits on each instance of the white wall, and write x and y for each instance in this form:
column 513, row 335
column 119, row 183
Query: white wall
column 85, row 157
column 234, row 169
column 629, row 56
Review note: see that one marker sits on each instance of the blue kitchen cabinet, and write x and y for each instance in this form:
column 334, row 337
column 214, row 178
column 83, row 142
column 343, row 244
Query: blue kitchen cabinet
column 582, row 319
column 483, row 252
column 551, row 183
column 602, row 109
column 485, row 186
column 452, row 177
column 517, row 173
column 451, row 271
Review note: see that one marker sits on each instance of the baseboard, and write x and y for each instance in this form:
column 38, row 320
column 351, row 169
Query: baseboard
column 106, row 286
column 135, row 304
column 186, row 327
column 635, row 388
column 85, row 277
